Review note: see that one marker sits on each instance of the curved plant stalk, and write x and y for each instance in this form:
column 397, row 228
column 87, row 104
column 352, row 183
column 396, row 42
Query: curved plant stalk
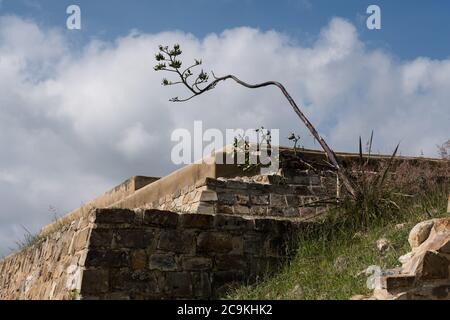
column 169, row 56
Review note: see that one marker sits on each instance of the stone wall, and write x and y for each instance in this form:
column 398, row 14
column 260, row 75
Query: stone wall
column 304, row 187
column 302, row 195
column 146, row 254
column 230, row 227
column 151, row 254
column 50, row 268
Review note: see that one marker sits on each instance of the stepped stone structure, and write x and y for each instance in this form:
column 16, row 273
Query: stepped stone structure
column 192, row 234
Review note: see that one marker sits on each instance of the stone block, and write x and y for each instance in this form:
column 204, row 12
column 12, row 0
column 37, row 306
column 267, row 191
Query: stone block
column 243, row 210
column 176, row 241
column 266, row 225
column 319, row 191
column 433, row 266
column 223, row 222
column 95, row 281
column 135, row 281
column 107, row 258
column 179, row 284
column 238, row 245
column 307, row 211
column 301, row 180
column 226, row 198
column 80, row 240
column 101, row 238
column 130, row 238
column 160, row 218
column 277, row 201
column 253, row 244
column 203, row 208
column 237, row 185
column 211, row 182
column 163, row 262
column 243, row 199
column 208, row 196
column 292, row 200
column 259, row 211
column 315, row 180
column 258, row 187
column 196, row 221
column 214, row 242
column 138, row 259
column 301, row 190
column 275, row 211
column 259, row 199
column 224, row 209
column 196, row 263
column 151, row 238
column 397, row 282
column 290, row 212
column 114, row 216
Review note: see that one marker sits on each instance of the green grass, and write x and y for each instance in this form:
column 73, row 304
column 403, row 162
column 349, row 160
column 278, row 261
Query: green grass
column 328, row 261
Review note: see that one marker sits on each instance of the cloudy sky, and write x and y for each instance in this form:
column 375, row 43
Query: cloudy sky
column 80, row 111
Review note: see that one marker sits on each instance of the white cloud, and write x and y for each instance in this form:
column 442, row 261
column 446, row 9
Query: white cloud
column 135, row 141
column 72, row 125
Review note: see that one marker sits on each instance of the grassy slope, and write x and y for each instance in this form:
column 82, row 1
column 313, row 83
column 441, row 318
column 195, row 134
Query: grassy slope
column 329, row 268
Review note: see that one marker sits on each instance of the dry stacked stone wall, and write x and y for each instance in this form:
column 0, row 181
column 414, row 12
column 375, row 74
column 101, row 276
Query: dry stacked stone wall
column 300, row 194
column 151, row 254
column 51, row 267
column 147, row 254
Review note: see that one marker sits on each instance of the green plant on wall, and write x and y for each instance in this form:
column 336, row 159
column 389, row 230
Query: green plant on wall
column 241, row 145
column 295, row 138
column 74, row 294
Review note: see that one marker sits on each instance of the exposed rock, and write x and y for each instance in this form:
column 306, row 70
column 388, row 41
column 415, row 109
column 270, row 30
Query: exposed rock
column 425, row 272
column 405, row 258
column 375, row 274
column 420, row 233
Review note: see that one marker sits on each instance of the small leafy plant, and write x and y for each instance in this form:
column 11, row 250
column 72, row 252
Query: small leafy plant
column 242, row 146
column 295, row 138
column 74, row 294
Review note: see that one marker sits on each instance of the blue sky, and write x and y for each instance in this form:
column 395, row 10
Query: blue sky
column 410, row 28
